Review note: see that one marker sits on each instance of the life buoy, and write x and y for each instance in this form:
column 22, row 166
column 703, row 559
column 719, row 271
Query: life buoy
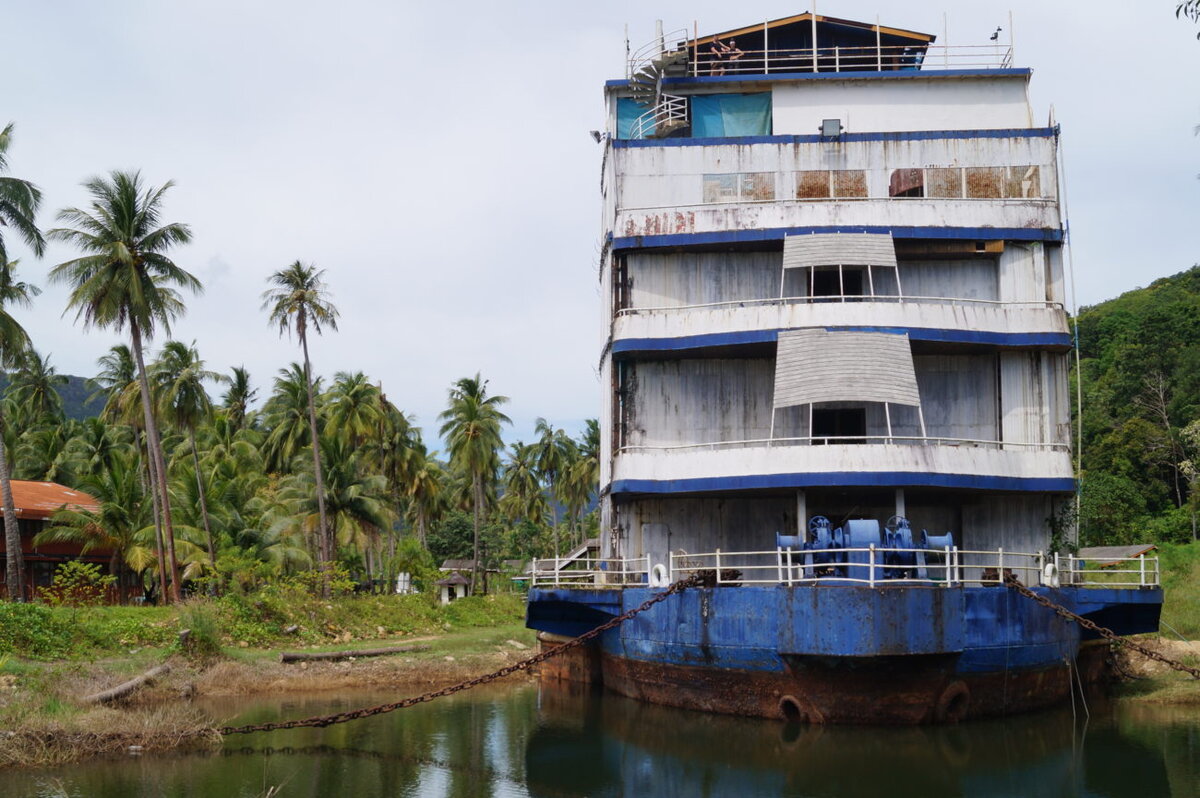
column 1050, row 575
column 658, row 576
column 953, row 704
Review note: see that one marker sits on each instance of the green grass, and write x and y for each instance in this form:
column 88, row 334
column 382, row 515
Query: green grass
column 1180, row 563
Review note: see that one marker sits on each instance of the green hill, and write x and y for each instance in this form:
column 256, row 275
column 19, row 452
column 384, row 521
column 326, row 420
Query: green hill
column 74, row 395
column 1140, row 360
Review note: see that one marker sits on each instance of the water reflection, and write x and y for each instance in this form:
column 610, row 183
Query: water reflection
column 549, row 743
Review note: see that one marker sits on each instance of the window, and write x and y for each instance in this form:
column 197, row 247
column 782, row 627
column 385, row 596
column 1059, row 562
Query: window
column 822, row 183
column 723, row 115
column 972, row 182
column 943, row 183
column 739, row 187
column 837, row 281
column 907, row 183
column 829, row 425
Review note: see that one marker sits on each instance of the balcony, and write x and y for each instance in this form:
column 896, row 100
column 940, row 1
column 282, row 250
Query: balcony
column 770, row 219
column 869, row 461
column 926, row 318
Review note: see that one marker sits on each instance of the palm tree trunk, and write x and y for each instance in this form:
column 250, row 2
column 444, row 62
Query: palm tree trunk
column 212, row 552
column 477, row 479
column 155, row 447
column 323, row 538
column 15, row 568
column 158, row 533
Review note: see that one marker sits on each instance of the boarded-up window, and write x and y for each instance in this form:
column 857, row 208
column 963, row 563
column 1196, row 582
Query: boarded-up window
column 743, row 187
column 850, row 183
column 943, row 183
column 985, row 182
column 1023, row 181
column 813, row 184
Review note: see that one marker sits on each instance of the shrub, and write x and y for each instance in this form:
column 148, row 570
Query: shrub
column 200, row 617
column 77, row 584
column 34, row 631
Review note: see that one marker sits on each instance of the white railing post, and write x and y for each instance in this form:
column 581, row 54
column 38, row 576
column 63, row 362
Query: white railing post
column 1058, row 568
column 718, row 560
column 779, row 563
column 1041, row 567
column 670, row 567
column 1142, row 571
column 789, row 566
column 951, row 561
column 557, row 571
column 871, row 561
column 1000, row 566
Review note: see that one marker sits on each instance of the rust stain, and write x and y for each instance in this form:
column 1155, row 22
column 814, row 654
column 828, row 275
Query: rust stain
column 812, row 184
column 849, row 183
column 985, row 182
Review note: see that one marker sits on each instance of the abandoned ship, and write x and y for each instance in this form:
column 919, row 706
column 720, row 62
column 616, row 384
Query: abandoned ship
column 835, row 383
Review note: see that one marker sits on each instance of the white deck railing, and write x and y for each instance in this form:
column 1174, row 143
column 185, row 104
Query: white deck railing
column 702, row 62
column 852, row 298
column 809, row 440
column 873, row 566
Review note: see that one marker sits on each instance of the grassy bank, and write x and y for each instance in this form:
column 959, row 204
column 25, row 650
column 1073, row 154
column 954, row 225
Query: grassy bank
column 52, row 657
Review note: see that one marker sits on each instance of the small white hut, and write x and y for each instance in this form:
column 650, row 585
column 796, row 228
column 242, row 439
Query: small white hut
column 453, row 587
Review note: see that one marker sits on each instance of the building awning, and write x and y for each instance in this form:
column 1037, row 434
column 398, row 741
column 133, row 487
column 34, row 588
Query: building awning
column 1104, row 556
column 821, row 365
column 839, row 249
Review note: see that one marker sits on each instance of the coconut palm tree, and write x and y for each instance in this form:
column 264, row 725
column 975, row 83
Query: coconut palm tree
column 13, row 342
column 471, row 429
column 425, row 490
column 286, row 413
column 299, row 298
column 19, row 202
column 523, row 497
column 179, row 375
column 123, row 280
column 238, row 397
column 118, row 383
column 352, row 409
column 34, row 390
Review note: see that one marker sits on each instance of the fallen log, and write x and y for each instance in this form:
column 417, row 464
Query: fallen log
column 126, row 688
column 305, row 656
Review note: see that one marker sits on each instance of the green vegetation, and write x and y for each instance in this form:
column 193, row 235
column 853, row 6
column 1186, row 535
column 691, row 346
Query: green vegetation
column 1140, row 363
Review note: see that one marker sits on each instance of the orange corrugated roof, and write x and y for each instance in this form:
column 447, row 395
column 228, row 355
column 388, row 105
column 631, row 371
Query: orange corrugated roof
column 42, row 499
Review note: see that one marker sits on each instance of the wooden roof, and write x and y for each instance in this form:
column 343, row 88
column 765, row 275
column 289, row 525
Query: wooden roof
column 1111, row 555
column 40, row 500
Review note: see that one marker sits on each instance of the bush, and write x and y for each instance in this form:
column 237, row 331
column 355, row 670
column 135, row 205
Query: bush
column 77, row 584
column 199, row 616
column 34, row 631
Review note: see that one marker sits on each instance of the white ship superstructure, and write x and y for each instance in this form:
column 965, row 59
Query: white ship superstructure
column 834, row 282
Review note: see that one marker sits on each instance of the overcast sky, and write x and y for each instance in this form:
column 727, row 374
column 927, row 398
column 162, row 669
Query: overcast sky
column 435, row 160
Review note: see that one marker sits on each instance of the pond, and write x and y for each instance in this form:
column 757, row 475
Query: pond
column 529, row 741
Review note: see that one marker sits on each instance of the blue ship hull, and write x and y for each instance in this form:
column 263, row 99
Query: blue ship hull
column 843, row 653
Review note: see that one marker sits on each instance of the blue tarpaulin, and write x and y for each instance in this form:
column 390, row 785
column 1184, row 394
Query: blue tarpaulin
column 628, row 110
column 722, row 115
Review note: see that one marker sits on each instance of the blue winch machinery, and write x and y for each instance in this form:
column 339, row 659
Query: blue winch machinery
column 846, row 552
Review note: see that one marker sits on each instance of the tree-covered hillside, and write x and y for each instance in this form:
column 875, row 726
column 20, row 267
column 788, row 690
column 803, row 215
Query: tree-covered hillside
column 1140, row 360
column 75, row 395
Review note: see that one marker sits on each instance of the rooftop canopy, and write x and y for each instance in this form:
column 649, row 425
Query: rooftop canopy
column 786, row 44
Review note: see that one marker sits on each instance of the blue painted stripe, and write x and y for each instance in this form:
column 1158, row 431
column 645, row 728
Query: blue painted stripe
column 914, row 74
column 1020, row 340
column 910, row 135
column 778, row 233
column 866, row 479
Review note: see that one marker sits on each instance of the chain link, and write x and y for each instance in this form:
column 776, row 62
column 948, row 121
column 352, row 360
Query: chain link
column 1107, row 634
column 524, row 665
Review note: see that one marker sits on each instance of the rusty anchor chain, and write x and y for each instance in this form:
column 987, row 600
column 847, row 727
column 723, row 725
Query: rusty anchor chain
column 1107, row 634
column 523, row 665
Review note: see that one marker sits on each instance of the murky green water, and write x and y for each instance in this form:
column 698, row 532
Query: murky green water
column 524, row 742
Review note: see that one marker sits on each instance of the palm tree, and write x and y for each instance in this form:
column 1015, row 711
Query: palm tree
column 523, row 498
column 13, row 342
column 124, row 279
column 19, row 201
column 34, row 390
column 179, row 375
column 425, row 490
column 352, row 411
column 471, row 428
column 118, row 382
column 287, row 418
column 553, row 452
column 297, row 299
column 239, row 396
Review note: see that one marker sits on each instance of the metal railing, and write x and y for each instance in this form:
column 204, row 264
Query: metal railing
column 817, row 300
column 872, row 566
column 1021, row 201
column 670, row 112
column 811, row 440
column 892, row 58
